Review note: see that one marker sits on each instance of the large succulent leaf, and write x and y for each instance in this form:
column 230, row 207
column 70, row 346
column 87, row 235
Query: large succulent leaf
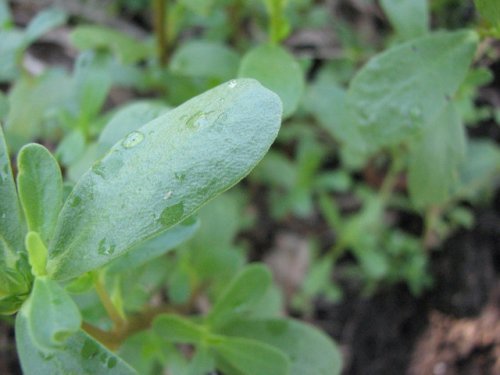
column 163, row 172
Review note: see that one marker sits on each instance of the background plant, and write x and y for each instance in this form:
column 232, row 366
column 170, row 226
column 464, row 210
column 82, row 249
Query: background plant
column 372, row 135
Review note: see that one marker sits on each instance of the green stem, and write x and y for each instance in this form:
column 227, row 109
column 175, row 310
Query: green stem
column 118, row 321
column 432, row 216
column 160, row 9
column 276, row 20
column 391, row 178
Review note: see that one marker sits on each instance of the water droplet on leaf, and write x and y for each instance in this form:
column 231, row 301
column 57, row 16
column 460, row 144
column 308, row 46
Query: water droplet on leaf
column 104, row 248
column 112, row 362
column 133, row 139
column 171, row 214
column 232, row 84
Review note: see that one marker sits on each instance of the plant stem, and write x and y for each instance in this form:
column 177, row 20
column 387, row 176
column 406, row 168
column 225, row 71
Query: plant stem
column 391, row 178
column 160, row 9
column 432, row 216
column 139, row 322
column 118, row 321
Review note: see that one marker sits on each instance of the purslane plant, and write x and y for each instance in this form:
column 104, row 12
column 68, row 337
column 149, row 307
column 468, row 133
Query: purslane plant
column 145, row 189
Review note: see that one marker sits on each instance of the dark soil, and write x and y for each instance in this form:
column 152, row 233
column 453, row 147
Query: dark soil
column 396, row 333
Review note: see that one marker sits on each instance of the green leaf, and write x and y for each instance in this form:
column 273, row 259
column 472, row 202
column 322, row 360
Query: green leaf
column 246, row 289
column 11, row 48
column 177, row 329
column 81, row 354
column 51, row 314
column 277, row 70
column 43, row 22
column 205, row 59
column 326, row 100
column 202, row 362
column 153, row 248
column 403, row 89
column 40, row 189
column 490, row 10
column 41, row 95
column 309, row 350
column 435, row 158
column 251, row 357
column 201, row 7
column 93, row 82
column 410, row 18
column 478, row 170
column 160, row 174
column 71, row 147
column 15, row 279
column 279, row 27
column 5, row 15
column 37, row 252
column 127, row 48
column 11, row 221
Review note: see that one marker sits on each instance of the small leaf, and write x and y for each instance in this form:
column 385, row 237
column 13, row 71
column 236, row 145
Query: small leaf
column 434, row 160
column 11, row 48
column 478, row 171
column 410, row 18
column 309, row 350
column 201, row 7
column 11, row 221
column 40, row 189
column 155, row 247
column 15, row 279
column 127, row 48
column 205, row 59
column 41, row 95
column 51, row 313
column 81, row 354
column 246, row 289
column 43, row 22
column 177, row 329
column 202, row 362
column 277, row 70
column 71, row 148
column 490, row 10
column 160, row 174
column 37, row 252
column 252, row 357
column 5, row 15
column 326, row 100
column 93, row 83
column 402, row 90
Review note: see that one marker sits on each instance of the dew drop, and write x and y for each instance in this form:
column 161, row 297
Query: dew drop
column 46, row 356
column 180, row 176
column 103, row 357
column 232, row 84
column 222, row 117
column 104, row 248
column 89, row 350
column 98, row 169
column 112, row 362
column 191, row 121
column 202, row 121
column 171, row 214
column 133, row 139
column 76, row 201
column 167, row 195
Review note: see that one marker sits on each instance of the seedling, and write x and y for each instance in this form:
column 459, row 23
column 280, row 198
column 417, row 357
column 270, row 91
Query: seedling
column 142, row 192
